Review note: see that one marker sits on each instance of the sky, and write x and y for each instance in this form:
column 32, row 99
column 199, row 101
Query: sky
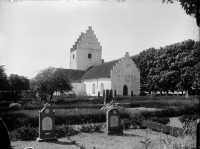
column 39, row 34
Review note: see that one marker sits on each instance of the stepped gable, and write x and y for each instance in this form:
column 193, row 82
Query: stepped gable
column 75, row 46
column 74, row 76
column 100, row 71
column 83, row 38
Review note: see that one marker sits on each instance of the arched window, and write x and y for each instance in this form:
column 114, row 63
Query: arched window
column 93, row 88
column 101, row 88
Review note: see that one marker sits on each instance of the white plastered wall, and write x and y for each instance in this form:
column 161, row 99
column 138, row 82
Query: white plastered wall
column 73, row 60
column 125, row 73
column 78, row 88
column 97, row 82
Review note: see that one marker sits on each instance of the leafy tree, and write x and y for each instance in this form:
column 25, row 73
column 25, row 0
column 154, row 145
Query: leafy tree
column 3, row 79
column 145, row 61
column 196, row 83
column 168, row 68
column 18, row 83
column 50, row 80
column 190, row 6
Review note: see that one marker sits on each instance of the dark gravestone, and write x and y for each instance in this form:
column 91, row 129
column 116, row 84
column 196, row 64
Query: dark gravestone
column 131, row 93
column 98, row 96
column 115, row 94
column 113, row 122
column 46, row 124
column 106, row 97
column 5, row 138
column 104, row 93
column 111, row 93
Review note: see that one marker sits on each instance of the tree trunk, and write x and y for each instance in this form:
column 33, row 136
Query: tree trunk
column 51, row 97
column 167, row 92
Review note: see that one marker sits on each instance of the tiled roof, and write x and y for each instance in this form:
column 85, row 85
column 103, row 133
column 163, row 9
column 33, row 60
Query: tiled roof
column 74, row 76
column 100, row 71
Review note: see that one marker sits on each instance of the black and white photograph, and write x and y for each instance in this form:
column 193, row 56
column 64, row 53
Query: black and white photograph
column 99, row 74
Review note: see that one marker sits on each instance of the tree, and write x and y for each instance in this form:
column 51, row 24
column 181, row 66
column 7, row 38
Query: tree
column 3, row 79
column 50, row 80
column 18, row 83
column 191, row 7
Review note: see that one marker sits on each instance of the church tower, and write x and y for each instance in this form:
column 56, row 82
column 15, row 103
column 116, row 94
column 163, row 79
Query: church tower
column 86, row 51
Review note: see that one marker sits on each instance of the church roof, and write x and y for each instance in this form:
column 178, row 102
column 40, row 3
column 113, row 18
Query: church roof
column 74, row 76
column 100, row 71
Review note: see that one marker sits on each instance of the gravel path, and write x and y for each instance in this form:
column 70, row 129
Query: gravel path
column 130, row 140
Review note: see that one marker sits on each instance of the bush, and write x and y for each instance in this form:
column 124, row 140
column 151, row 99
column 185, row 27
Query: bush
column 26, row 133
column 90, row 128
column 164, row 120
column 187, row 119
column 174, row 131
column 15, row 106
column 64, row 131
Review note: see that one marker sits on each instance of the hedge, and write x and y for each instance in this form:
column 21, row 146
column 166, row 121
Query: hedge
column 173, row 131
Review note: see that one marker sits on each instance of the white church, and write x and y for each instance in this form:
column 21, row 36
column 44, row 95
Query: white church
column 89, row 73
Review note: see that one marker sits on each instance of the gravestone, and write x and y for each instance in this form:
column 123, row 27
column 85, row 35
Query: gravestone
column 131, row 93
column 107, row 97
column 98, row 96
column 113, row 122
column 111, row 93
column 104, row 92
column 46, row 124
column 115, row 94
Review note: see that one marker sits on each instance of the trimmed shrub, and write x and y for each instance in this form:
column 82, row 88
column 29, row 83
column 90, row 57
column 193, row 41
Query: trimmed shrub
column 90, row 128
column 64, row 131
column 174, row 131
column 15, row 106
column 26, row 133
column 163, row 120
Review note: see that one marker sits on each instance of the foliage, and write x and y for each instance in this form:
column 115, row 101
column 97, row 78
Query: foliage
column 190, row 6
column 15, row 106
column 174, row 131
column 185, row 142
column 64, row 131
column 3, row 79
column 50, row 80
column 163, row 120
column 168, row 68
column 90, row 128
column 18, row 83
column 26, row 133
column 187, row 119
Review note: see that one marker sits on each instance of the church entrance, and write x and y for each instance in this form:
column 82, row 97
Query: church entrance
column 125, row 90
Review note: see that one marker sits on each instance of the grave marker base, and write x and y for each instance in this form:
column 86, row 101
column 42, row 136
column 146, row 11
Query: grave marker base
column 46, row 139
column 119, row 132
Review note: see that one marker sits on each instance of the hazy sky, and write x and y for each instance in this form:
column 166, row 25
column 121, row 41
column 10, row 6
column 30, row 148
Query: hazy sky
column 39, row 34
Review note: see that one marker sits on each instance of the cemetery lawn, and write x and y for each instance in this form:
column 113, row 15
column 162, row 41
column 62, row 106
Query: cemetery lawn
column 130, row 140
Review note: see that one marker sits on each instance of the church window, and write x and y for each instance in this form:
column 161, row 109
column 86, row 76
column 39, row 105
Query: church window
column 73, row 56
column 93, row 88
column 89, row 55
